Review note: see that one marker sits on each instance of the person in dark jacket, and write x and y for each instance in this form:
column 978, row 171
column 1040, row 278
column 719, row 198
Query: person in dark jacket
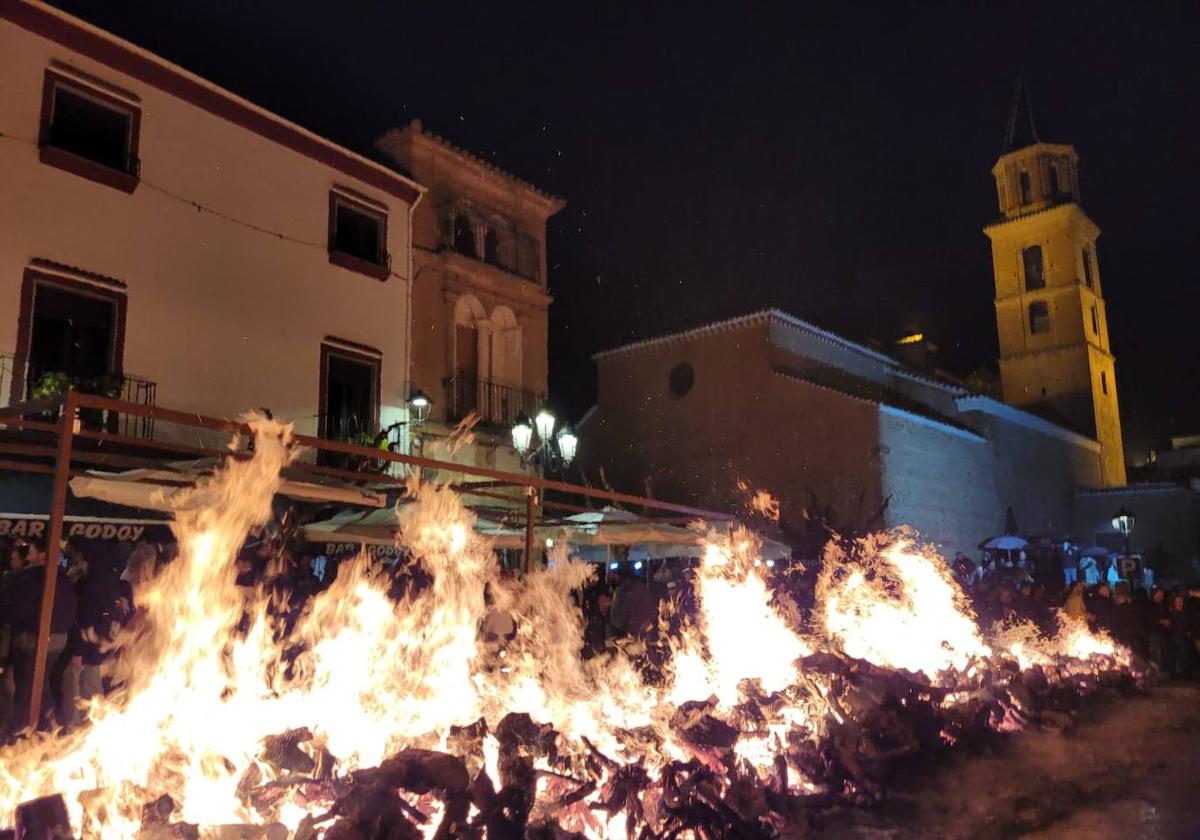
column 1181, row 649
column 20, row 610
column 1157, row 622
column 105, row 605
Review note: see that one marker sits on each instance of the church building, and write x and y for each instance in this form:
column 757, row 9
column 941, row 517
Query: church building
column 862, row 441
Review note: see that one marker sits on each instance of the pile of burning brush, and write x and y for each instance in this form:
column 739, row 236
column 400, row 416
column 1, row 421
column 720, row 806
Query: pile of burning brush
column 393, row 721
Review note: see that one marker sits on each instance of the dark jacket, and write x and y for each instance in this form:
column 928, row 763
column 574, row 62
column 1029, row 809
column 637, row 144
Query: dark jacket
column 105, row 603
column 21, row 602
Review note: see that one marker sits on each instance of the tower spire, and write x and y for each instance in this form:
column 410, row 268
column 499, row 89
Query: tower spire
column 1021, row 130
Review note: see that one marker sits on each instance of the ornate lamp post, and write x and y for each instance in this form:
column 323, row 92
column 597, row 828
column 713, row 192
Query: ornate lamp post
column 1122, row 523
column 536, row 442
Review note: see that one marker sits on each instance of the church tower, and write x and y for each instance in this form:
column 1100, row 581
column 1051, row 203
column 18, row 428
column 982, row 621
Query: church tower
column 1055, row 359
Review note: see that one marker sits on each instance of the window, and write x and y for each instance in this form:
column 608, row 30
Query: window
column 1026, row 188
column 1035, row 277
column 1054, row 190
column 1104, row 383
column 349, row 392
column 89, row 132
column 1087, row 267
column 358, row 235
column 1095, row 320
column 680, row 380
column 1039, row 317
column 67, row 328
column 464, row 236
column 491, row 247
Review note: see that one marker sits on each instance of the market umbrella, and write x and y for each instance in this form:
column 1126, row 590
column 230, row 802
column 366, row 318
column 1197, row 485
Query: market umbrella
column 1094, row 551
column 1006, row 542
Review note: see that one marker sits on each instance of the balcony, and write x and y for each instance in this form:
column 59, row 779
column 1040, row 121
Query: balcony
column 22, row 379
column 497, row 405
column 499, row 245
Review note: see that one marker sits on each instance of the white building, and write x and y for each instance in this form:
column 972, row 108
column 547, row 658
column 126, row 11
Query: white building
column 167, row 239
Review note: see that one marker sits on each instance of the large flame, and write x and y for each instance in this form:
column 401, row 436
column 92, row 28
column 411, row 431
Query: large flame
column 897, row 606
column 208, row 680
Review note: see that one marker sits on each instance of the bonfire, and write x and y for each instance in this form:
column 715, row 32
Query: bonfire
column 378, row 719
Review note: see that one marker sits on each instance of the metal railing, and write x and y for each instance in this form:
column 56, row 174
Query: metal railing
column 22, row 378
column 503, row 247
column 496, row 404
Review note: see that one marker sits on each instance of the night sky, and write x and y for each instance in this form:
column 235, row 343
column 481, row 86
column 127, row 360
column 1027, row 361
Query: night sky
column 834, row 163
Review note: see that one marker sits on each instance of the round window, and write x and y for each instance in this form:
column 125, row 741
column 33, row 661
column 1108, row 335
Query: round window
column 680, row 380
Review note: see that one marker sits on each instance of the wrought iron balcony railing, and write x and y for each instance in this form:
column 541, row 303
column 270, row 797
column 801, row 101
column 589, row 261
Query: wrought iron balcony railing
column 496, row 404
column 22, row 378
column 494, row 244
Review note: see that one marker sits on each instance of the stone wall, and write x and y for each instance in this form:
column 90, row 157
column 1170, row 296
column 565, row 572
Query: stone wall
column 939, row 481
column 739, row 421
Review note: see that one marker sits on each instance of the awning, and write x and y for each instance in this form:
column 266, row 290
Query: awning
column 161, row 490
column 25, row 512
column 381, row 526
column 590, row 530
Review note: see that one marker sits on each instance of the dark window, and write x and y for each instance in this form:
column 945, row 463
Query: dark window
column 680, row 380
column 491, row 247
column 72, row 334
column 1054, row 191
column 349, row 407
column 464, row 236
column 1095, row 320
column 1104, row 382
column 1039, row 317
column 358, row 232
column 1026, row 188
column 1087, row 267
column 92, row 128
column 1035, row 277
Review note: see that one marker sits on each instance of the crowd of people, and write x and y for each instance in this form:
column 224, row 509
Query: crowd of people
column 93, row 598
column 1161, row 626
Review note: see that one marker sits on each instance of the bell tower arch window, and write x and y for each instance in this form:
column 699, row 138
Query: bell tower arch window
column 1035, row 275
column 1039, row 317
column 1026, row 188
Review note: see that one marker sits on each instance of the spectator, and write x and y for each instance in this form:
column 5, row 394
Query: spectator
column 596, row 628
column 1181, row 648
column 20, row 609
column 1158, row 621
column 1101, row 607
column 1075, row 605
column 1125, row 621
column 1069, row 566
column 105, row 605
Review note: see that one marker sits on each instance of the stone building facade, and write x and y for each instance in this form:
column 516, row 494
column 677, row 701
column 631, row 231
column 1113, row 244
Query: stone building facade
column 480, row 305
column 828, row 427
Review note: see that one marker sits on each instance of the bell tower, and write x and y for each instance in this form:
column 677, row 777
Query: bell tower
column 1055, row 358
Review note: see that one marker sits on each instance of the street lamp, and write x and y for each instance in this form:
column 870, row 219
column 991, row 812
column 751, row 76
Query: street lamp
column 547, row 448
column 418, row 406
column 1122, row 521
column 522, row 434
